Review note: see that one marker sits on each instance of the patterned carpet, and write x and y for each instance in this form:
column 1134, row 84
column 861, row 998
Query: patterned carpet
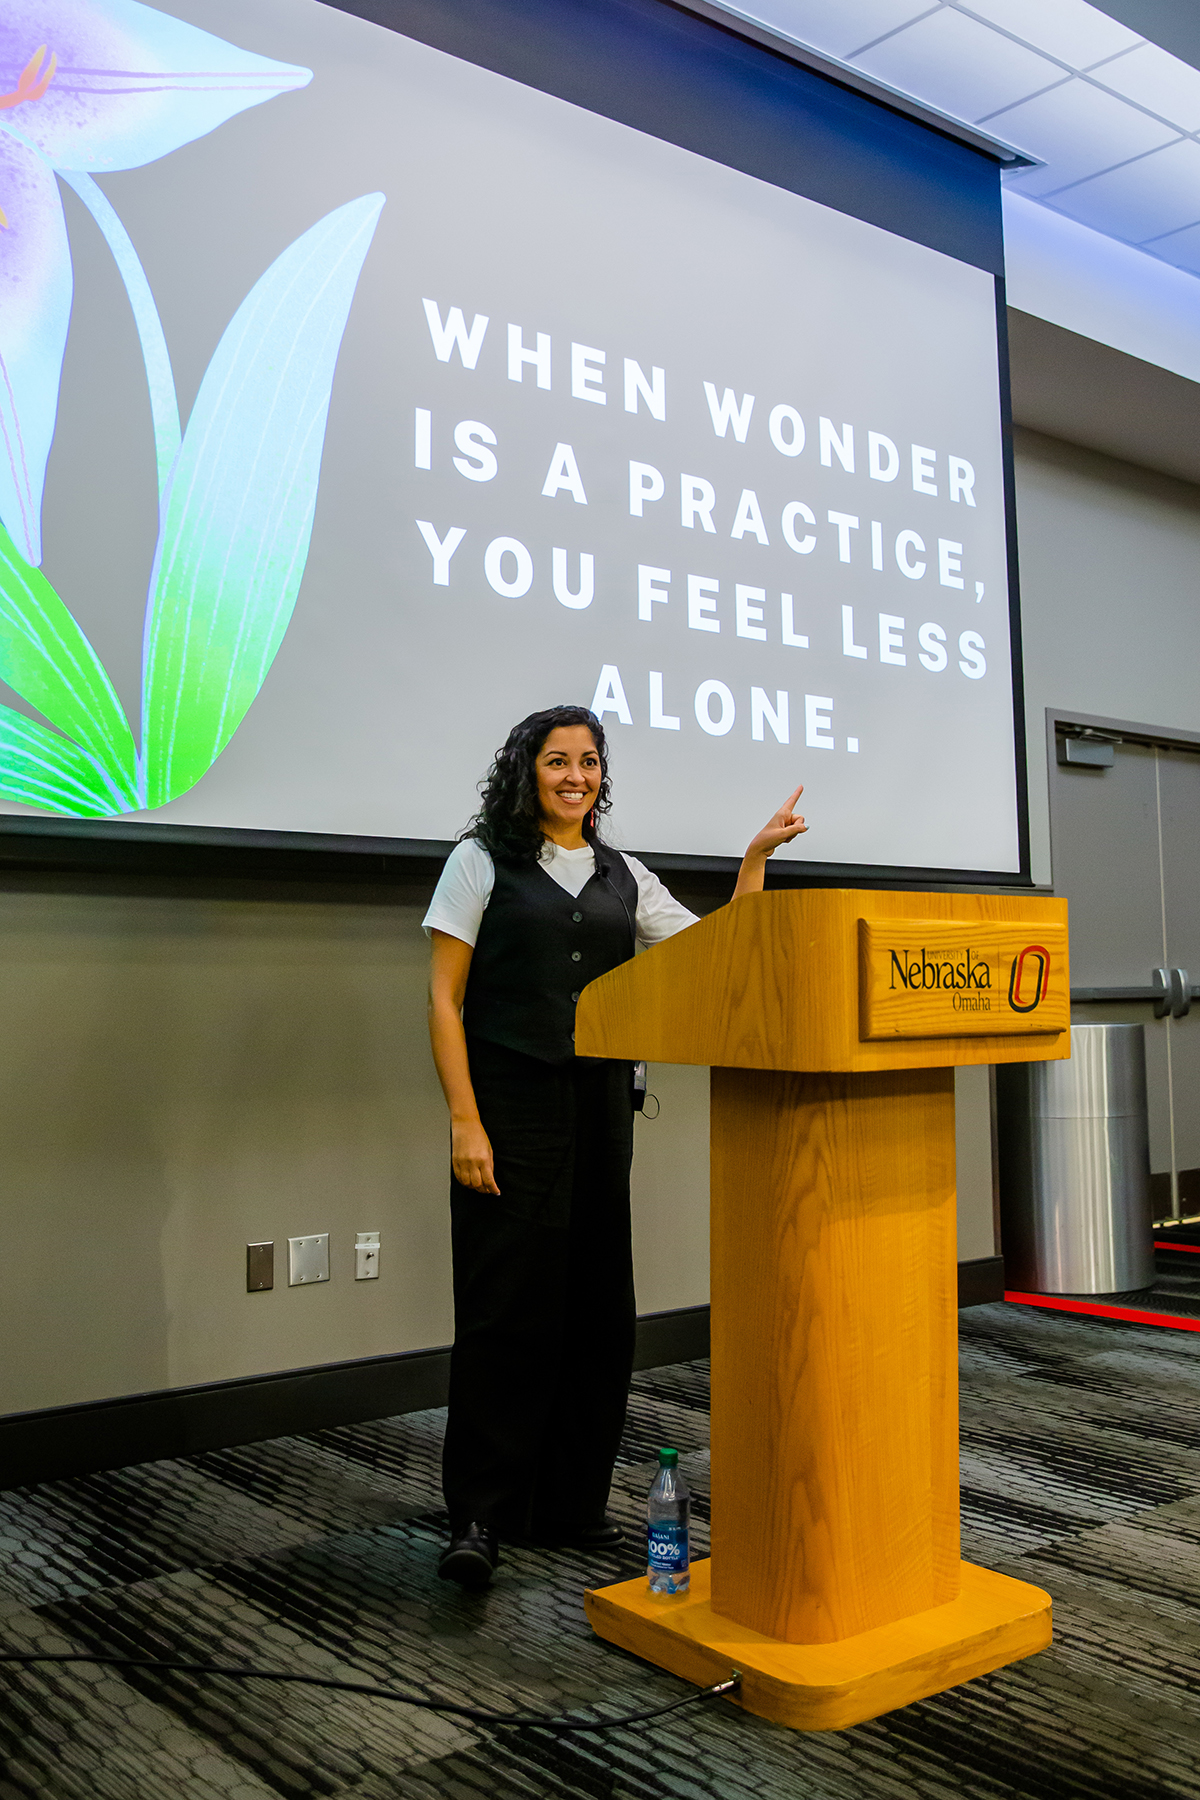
column 1081, row 1472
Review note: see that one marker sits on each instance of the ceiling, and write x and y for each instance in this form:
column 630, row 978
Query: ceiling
column 1112, row 118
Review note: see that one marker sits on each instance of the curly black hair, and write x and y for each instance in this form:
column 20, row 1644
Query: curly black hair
column 508, row 823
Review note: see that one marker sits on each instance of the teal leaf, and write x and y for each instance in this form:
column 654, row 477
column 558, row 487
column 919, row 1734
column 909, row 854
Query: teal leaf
column 238, row 512
column 39, row 768
column 46, row 658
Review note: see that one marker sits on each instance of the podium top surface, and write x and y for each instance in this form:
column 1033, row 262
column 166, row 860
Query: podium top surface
column 843, row 980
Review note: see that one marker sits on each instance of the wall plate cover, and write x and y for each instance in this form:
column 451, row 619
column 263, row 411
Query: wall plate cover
column 260, row 1267
column 308, row 1259
column 366, row 1256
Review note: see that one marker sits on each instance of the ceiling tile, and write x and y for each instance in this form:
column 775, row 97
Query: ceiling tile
column 959, row 65
column 1110, row 143
column 1159, row 192
column 1076, row 33
column 1077, row 130
column 1182, row 248
column 1157, row 81
column 835, row 26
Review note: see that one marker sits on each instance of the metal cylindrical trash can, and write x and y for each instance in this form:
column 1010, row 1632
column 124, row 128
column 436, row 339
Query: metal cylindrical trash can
column 1074, row 1149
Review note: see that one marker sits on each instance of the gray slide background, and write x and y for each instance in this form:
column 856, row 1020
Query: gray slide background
column 390, row 694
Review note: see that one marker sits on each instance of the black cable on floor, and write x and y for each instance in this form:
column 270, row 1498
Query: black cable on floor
column 540, row 1721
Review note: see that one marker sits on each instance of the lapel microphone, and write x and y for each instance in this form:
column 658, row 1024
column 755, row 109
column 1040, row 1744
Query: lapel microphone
column 602, row 872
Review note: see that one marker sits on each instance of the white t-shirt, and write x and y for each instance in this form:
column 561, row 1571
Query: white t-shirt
column 466, row 883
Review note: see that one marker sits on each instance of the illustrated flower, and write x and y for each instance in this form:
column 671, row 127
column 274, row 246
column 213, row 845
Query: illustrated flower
column 103, row 85
column 88, row 87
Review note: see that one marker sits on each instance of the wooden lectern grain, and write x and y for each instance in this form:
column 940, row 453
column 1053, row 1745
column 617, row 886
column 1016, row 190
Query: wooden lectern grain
column 772, row 982
column 835, row 1578
column 826, row 1687
column 835, row 1394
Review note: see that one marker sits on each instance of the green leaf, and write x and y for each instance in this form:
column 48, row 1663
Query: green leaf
column 39, row 768
column 238, row 513
column 46, row 658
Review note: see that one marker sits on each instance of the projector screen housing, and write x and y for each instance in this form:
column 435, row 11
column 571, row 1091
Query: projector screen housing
column 672, row 382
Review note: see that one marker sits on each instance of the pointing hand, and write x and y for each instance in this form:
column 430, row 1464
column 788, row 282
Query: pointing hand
column 780, row 829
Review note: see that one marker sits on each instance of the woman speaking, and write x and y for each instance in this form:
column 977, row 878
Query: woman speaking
column 531, row 906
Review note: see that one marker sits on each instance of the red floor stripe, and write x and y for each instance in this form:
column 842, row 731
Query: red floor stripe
column 1054, row 1303
column 1164, row 1243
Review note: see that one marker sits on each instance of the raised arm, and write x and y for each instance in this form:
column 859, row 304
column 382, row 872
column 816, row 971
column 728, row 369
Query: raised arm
column 470, row 1148
column 786, row 824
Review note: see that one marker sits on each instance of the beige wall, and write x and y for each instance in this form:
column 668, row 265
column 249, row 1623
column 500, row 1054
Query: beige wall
column 1110, row 598
column 180, row 1076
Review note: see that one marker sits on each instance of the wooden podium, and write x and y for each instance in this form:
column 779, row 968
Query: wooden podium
column 833, row 1021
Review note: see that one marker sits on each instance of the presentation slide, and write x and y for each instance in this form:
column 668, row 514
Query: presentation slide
column 367, row 401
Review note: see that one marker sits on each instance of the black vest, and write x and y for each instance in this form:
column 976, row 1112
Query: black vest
column 538, row 947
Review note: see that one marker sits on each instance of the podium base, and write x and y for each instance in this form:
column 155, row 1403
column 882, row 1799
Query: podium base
column 826, row 1687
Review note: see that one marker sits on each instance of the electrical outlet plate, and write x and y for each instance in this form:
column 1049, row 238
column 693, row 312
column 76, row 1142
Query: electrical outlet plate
column 308, row 1259
column 366, row 1256
column 260, row 1267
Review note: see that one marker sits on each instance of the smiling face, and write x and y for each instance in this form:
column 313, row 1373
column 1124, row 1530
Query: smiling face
column 568, row 778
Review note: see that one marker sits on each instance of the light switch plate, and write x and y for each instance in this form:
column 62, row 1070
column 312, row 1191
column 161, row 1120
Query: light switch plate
column 308, row 1259
column 366, row 1256
column 260, row 1267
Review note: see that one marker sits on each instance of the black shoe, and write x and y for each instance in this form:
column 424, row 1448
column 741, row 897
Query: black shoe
column 605, row 1534
column 470, row 1557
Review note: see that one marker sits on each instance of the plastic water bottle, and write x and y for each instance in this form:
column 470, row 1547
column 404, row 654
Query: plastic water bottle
column 667, row 1527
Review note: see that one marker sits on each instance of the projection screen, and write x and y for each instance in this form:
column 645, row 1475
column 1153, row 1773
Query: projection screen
column 570, row 413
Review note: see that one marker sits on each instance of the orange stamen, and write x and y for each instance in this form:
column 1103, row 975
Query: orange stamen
column 31, row 85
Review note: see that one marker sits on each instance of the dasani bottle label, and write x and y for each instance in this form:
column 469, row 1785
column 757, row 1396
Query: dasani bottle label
column 668, row 1548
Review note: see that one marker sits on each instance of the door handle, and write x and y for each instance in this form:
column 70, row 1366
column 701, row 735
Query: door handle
column 1172, row 993
column 1161, row 994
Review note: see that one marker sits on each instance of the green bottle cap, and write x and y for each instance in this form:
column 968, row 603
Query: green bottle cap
column 668, row 1459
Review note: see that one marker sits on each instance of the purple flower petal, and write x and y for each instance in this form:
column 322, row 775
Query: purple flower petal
column 35, row 310
column 128, row 83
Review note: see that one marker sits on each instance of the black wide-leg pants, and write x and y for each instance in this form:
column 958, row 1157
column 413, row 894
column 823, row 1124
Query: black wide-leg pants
column 544, row 1311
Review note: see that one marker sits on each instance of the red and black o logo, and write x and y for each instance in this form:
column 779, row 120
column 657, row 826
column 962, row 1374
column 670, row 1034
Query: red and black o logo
column 1021, row 979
